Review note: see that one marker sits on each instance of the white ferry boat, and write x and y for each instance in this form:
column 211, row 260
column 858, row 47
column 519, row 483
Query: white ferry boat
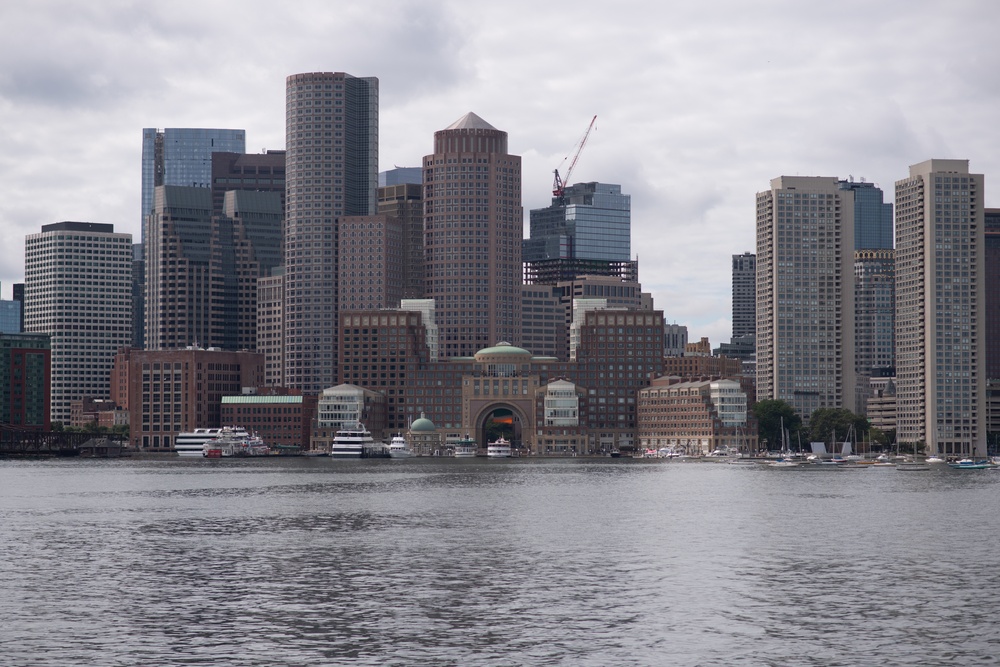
column 500, row 449
column 193, row 442
column 350, row 441
column 399, row 448
column 466, row 448
column 233, row 441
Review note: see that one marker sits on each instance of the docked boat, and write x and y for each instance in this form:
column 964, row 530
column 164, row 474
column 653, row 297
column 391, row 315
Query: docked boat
column 192, row 443
column 232, row 441
column 499, row 449
column 351, row 441
column 399, row 448
column 971, row 464
column 466, row 448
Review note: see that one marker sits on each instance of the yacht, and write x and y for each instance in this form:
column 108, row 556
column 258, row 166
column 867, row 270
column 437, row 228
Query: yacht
column 234, row 441
column 192, row 443
column 399, row 448
column 500, row 449
column 466, row 448
column 350, row 441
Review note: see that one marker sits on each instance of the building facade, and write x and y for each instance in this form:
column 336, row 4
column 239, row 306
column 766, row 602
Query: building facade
column 744, row 295
column 331, row 171
column 875, row 312
column 282, row 418
column 805, row 294
column 695, row 418
column 873, row 223
column 78, row 290
column 587, row 231
column 26, row 369
column 940, row 309
column 472, row 236
column 370, row 262
column 182, row 156
column 405, row 203
column 991, row 258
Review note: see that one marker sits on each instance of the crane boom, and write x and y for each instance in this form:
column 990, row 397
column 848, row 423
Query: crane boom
column 558, row 185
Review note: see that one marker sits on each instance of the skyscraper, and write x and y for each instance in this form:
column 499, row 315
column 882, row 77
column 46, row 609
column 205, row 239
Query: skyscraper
column 182, row 156
column 405, row 203
column 875, row 312
column 991, row 255
column 872, row 216
column 202, row 269
column 473, row 226
column 940, row 308
column 587, row 231
column 331, row 171
column 805, row 294
column 78, row 289
column 744, row 295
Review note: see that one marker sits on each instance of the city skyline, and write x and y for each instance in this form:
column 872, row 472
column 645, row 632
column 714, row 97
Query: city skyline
column 691, row 122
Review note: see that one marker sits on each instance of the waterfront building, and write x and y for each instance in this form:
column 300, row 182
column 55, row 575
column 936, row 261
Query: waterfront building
column 343, row 406
column 369, row 262
column 202, row 269
column 87, row 411
column 940, row 309
column 403, row 201
column 331, row 171
column 873, row 224
column 424, row 439
column 560, row 431
column 881, row 405
column 26, row 366
column 177, row 391
column 281, row 417
column 875, row 311
column 991, row 287
column 744, row 294
column 805, row 294
column 472, row 236
column 695, row 418
column 78, row 290
column 587, row 231
column 181, row 156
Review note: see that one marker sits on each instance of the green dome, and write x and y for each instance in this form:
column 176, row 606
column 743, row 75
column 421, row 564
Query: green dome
column 503, row 349
column 423, row 424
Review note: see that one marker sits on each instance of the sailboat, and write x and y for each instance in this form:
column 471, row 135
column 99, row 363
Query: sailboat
column 786, row 460
column 911, row 464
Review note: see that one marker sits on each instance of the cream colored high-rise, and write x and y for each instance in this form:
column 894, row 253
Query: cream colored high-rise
column 805, row 294
column 940, row 306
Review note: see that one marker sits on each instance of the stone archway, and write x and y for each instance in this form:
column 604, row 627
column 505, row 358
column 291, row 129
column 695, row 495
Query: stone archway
column 501, row 419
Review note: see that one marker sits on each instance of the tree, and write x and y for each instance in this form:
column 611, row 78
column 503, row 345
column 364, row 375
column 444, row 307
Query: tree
column 835, row 423
column 771, row 414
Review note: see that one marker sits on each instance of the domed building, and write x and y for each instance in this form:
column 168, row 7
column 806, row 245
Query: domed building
column 423, row 437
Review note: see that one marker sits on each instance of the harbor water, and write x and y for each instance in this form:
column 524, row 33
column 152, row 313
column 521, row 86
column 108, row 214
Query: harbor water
column 298, row 561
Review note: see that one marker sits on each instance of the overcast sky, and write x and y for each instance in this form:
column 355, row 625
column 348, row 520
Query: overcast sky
column 699, row 104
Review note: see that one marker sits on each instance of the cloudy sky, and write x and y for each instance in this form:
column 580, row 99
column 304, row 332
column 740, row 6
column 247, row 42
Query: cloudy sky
column 699, row 104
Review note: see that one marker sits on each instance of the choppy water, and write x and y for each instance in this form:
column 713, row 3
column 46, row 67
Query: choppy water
column 475, row 562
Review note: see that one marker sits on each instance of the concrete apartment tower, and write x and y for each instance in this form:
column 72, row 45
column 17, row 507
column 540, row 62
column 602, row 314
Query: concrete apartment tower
column 940, row 309
column 78, row 289
column 472, row 230
column 805, row 294
column 331, row 171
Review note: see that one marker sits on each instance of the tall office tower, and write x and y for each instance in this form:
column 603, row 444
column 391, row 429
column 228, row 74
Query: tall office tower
column 138, row 296
column 78, row 289
column 19, row 296
column 10, row 316
column 259, row 172
column 271, row 325
column 587, row 231
column 404, row 203
column 202, row 270
column 182, row 156
column 331, row 170
column 991, row 256
column 369, row 262
column 940, row 309
column 401, row 176
column 473, row 223
column 544, row 330
column 872, row 216
column 805, row 294
column 875, row 312
column 744, row 295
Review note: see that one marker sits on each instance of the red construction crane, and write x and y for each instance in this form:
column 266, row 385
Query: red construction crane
column 558, row 186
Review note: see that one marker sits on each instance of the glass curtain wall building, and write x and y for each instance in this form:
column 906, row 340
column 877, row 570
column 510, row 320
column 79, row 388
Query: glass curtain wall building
column 588, row 231
column 873, row 222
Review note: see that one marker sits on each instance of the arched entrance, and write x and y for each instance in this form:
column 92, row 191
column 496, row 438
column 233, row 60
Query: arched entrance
column 500, row 420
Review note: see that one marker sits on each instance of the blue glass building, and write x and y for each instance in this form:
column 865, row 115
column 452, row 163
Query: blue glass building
column 182, row 156
column 588, row 231
column 873, row 221
column 10, row 317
